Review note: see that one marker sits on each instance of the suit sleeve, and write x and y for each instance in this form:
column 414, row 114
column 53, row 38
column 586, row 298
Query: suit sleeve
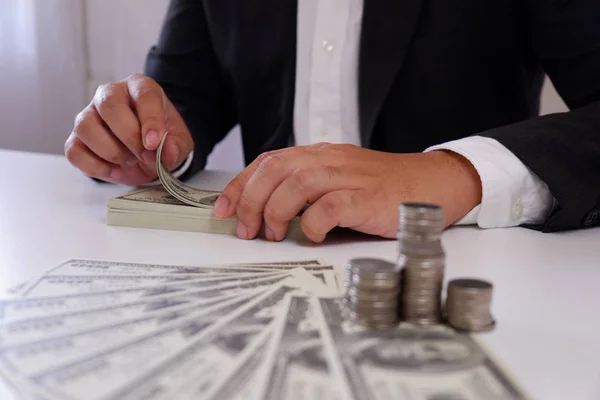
column 564, row 149
column 184, row 63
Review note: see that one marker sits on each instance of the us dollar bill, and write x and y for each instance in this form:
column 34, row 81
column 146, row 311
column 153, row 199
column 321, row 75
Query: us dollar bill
column 409, row 362
column 30, row 330
column 182, row 192
column 295, row 363
column 17, row 309
column 82, row 267
column 53, row 285
column 104, row 374
column 193, row 373
column 45, row 355
column 243, row 383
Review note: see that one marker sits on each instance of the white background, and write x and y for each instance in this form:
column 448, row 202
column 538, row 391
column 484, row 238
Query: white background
column 54, row 53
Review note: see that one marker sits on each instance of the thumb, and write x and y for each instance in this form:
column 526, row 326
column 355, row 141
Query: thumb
column 150, row 103
column 179, row 142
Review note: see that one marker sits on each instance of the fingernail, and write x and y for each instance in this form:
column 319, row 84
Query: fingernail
column 221, row 206
column 269, row 235
column 242, row 231
column 116, row 174
column 131, row 161
column 149, row 157
column 152, row 139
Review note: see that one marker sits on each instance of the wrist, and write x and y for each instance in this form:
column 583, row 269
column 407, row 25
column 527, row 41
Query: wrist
column 458, row 182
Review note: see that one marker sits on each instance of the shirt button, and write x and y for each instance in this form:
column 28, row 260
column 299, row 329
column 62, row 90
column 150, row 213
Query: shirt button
column 517, row 212
column 324, row 132
column 327, row 46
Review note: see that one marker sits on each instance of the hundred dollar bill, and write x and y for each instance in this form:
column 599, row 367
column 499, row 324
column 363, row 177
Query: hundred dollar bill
column 295, row 365
column 45, row 355
column 243, row 382
column 81, row 267
column 16, row 309
column 54, row 285
column 193, row 372
column 118, row 373
column 29, row 330
column 409, row 362
column 182, row 192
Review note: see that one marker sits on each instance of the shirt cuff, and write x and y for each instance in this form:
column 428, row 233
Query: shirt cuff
column 512, row 195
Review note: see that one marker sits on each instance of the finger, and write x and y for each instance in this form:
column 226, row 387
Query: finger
column 113, row 105
column 94, row 134
column 344, row 208
column 82, row 158
column 149, row 102
column 270, row 173
column 226, row 205
column 137, row 175
column 303, row 187
column 179, row 136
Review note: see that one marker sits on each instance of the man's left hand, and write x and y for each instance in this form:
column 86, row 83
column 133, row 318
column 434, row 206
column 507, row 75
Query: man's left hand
column 346, row 186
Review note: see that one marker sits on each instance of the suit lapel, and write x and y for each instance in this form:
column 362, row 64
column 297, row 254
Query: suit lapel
column 387, row 30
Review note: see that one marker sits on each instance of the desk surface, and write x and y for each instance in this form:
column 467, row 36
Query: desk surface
column 547, row 286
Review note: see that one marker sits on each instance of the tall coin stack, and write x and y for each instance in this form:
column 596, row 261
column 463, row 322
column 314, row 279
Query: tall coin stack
column 372, row 292
column 422, row 259
column 468, row 305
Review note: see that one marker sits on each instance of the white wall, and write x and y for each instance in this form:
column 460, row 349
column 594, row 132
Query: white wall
column 42, row 73
column 54, row 53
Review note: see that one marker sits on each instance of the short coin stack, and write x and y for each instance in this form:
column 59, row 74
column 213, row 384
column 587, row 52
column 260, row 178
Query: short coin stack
column 422, row 258
column 372, row 292
column 468, row 305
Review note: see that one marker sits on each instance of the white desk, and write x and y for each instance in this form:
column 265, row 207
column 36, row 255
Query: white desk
column 547, row 286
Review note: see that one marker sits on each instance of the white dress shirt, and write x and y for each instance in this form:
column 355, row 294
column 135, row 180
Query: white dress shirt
column 326, row 110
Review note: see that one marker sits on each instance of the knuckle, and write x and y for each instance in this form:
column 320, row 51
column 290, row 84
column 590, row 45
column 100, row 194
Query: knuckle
column 332, row 205
column 246, row 206
column 71, row 150
column 272, row 213
column 107, row 103
column 136, row 77
column 144, row 93
column 305, row 178
column 268, row 161
column 84, row 123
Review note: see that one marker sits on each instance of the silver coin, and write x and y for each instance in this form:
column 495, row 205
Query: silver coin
column 373, row 295
column 375, row 284
column 374, row 268
column 374, row 318
column 373, row 306
column 464, row 285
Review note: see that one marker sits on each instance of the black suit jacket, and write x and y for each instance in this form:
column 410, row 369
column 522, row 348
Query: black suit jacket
column 430, row 71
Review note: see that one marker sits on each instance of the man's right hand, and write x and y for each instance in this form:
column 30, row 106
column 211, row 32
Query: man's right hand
column 116, row 136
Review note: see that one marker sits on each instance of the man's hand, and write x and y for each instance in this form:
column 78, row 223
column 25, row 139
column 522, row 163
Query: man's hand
column 115, row 137
column 346, row 186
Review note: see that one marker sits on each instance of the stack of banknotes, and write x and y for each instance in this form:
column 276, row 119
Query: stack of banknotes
column 93, row 330
column 175, row 206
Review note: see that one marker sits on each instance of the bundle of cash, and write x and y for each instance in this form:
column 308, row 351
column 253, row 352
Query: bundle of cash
column 92, row 329
column 175, row 206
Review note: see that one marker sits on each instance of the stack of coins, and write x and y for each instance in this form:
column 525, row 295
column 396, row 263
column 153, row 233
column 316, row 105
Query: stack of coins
column 422, row 259
column 468, row 305
column 372, row 292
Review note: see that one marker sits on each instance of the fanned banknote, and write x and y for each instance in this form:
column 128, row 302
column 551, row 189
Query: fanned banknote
column 295, row 365
column 108, row 330
column 409, row 362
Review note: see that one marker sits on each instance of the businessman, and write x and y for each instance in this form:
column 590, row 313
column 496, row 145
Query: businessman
column 354, row 106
